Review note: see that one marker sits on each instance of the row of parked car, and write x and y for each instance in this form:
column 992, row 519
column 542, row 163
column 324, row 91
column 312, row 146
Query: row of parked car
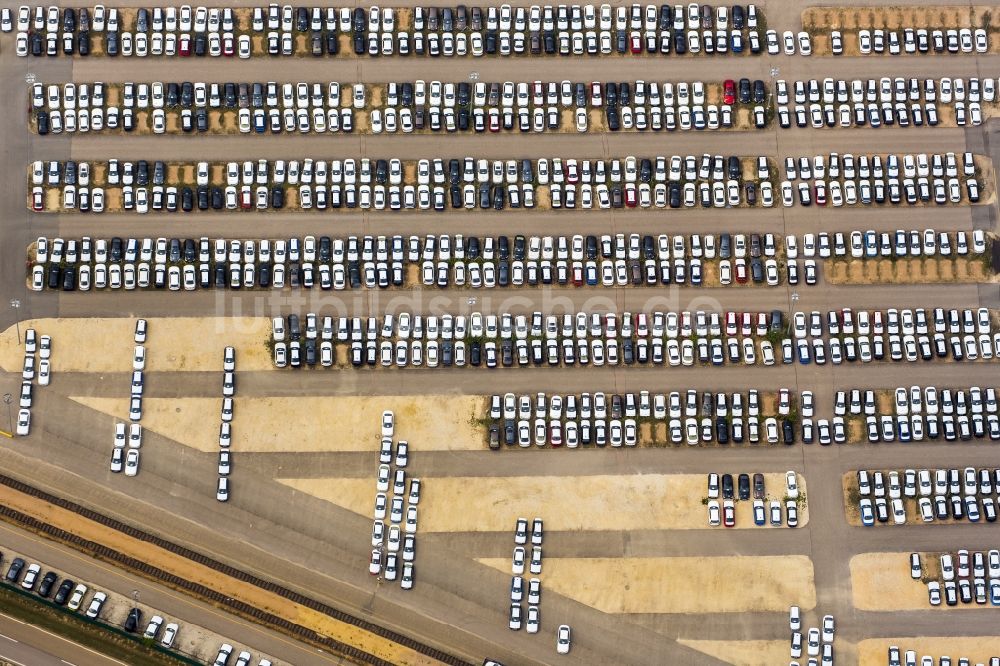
column 911, row 40
column 42, row 345
column 966, row 577
column 405, row 108
column 594, row 419
column 461, row 31
column 399, row 540
column 894, row 321
column 954, row 495
column 888, row 102
column 909, row 658
column 659, row 169
column 73, row 595
column 573, row 252
column 815, row 641
column 226, row 424
column 534, row 592
column 415, row 95
column 910, row 177
column 380, row 261
column 127, row 457
column 724, row 513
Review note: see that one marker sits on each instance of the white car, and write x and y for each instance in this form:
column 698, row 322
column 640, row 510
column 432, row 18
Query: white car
column 222, row 490
column 791, row 485
column 517, row 561
column 388, row 424
column 23, row 422
column 132, row 462
column 563, row 639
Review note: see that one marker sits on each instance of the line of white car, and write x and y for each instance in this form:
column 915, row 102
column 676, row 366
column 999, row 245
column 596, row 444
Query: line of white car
column 818, row 641
column 42, row 345
column 911, row 40
column 885, row 102
column 392, row 498
column 127, row 457
column 521, row 537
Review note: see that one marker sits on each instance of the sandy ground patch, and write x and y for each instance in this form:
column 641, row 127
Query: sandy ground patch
column 189, row 570
column 882, row 582
column 680, row 584
column 488, row 504
column 306, row 423
column 978, row 649
column 742, row 653
column 173, row 343
column 924, row 270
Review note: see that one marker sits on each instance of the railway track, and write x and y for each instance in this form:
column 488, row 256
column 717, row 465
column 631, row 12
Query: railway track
column 196, row 589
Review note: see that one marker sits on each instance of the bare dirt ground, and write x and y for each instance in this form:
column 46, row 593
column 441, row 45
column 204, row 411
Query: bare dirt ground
column 209, row 577
column 882, row 582
column 742, row 653
column 305, row 423
column 978, row 649
column 173, row 343
column 680, row 584
column 926, row 270
column 488, row 504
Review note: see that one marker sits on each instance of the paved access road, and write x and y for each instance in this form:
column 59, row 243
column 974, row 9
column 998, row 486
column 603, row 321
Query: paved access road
column 458, row 604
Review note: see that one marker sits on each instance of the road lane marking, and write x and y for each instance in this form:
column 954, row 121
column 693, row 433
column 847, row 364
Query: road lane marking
column 6, row 661
column 70, row 663
column 12, row 640
column 12, row 618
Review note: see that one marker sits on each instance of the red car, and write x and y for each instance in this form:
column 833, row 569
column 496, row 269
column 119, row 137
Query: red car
column 819, row 188
column 572, row 172
column 728, row 513
column 635, row 43
column 729, row 91
column 228, row 45
column 184, row 46
column 741, row 270
column 630, row 200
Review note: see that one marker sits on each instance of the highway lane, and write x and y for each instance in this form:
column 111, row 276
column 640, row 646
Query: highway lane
column 24, row 644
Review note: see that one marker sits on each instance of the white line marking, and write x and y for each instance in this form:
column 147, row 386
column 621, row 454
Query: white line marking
column 12, row 640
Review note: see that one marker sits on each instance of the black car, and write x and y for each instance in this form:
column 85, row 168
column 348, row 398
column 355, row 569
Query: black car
column 744, row 91
column 758, row 486
column 727, row 486
column 721, row 430
column 14, row 572
column 788, row 432
column 133, row 620
column 45, row 587
column 62, row 594
column 744, row 486
column 69, row 278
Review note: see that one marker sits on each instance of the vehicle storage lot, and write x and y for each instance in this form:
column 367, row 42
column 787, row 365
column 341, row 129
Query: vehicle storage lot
column 305, row 440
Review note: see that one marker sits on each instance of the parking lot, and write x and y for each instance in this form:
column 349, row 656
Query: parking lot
column 568, row 218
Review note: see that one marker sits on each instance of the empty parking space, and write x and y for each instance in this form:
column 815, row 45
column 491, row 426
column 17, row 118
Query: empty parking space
column 680, row 584
column 493, row 504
